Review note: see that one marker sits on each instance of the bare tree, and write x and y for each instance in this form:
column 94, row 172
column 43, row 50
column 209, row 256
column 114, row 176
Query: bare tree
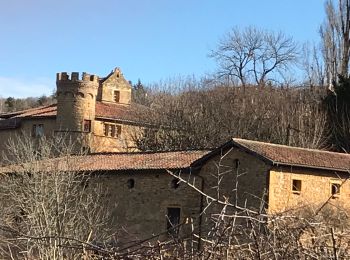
column 47, row 210
column 335, row 35
column 254, row 55
column 238, row 231
column 205, row 116
column 313, row 66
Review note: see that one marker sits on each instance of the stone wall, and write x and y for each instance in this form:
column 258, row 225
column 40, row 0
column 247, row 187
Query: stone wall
column 140, row 212
column 316, row 188
column 26, row 131
column 124, row 142
column 115, row 82
column 236, row 177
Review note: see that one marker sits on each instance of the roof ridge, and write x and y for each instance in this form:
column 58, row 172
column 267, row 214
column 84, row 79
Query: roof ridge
column 28, row 110
column 143, row 152
column 287, row 146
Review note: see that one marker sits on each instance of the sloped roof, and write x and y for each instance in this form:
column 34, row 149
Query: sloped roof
column 138, row 161
column 130, row 113
column 276, row 154
column 125, row 113
column 44, row 111
column 296, row 156
column 120, row 161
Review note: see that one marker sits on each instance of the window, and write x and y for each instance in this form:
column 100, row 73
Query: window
column 173, row 221
column 118, row 130
column 335, row 190
column 108, row 130
column 87, row 126
column 236, row 163
column 296, row 186
column 112, row 130
column 105, row 129
column 86, row 150
column 116, row 96
column 38, row 130
column 175, row 183
column 130, row 183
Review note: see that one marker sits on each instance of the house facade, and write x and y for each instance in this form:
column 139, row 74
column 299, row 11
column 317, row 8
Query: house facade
column 96, row 113
column 154, row 195
column 262, row 177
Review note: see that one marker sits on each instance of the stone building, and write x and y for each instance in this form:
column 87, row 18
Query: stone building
column 96, row 113
column 150, row 203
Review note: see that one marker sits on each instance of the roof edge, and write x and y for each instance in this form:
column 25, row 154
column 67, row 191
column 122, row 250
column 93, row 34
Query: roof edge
column 275, row 163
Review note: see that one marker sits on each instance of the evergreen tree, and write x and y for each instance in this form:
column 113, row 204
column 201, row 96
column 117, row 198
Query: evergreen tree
column 337, row 106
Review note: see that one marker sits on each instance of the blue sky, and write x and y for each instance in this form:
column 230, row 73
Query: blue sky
column 147, row 39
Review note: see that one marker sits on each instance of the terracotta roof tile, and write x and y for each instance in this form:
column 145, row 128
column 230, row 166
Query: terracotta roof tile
column 28, row 112
column 295, row 156
column 131, row 113
column 126, row 113
column 120, row 161
column 45, row 111
column 139, row 161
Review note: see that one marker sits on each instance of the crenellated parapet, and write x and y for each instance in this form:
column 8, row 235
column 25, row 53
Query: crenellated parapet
column 74, row 77
column 72, row 84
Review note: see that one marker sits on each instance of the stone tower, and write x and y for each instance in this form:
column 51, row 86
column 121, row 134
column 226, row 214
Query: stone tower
column 76, row 99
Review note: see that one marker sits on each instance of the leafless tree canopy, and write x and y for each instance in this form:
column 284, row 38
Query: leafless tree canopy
column 47, row 211
column 202, row 116
column 335, row 36
column 255, row 56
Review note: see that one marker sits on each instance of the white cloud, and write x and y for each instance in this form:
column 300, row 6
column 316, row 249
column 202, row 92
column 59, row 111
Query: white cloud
column 20, row 88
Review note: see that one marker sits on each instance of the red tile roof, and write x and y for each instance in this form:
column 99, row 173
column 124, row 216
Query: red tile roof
column 46, row 111
column 121, row 161
column 49, row 110
column 139, row 161
column 125, row 113
column 295, row 156
column 131, row 113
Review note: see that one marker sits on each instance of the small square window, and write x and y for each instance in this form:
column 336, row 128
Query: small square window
column 87, row 126
column 335, row 190
column 38, row 130
column 296, row 186
column 112, row 130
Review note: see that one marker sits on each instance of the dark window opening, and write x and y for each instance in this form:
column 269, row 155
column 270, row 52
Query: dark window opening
column 175, row 183
column 87, row 126
column 34, row 130
column 116, row 96
column 130, row 183
column 296, row 186
column 38, row 130
column 173, row 221
column 85, row 183
column 118, row 130
column 112, row 130
column 335, row 189
column 85, row 150
column 237, row 163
